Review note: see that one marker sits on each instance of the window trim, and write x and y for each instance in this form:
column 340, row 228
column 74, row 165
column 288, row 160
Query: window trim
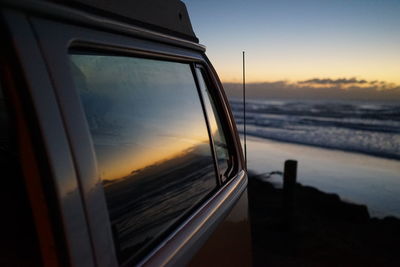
column 206, row 118
column 221, row 178
column 234, row 142
column 215, row 93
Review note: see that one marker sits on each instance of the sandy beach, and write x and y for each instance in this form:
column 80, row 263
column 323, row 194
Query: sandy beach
column 355, row 177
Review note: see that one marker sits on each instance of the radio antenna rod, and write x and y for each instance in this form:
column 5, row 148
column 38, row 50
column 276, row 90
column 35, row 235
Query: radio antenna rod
column 244, row 108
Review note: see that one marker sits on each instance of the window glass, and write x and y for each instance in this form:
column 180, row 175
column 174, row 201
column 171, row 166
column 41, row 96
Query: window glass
column 151, row 143
column 220, row 146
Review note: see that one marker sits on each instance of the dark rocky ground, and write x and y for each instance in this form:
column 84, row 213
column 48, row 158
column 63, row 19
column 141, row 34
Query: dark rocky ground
column 320, row 230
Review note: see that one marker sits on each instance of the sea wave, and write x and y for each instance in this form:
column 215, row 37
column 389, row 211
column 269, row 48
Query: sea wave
column 370, row 128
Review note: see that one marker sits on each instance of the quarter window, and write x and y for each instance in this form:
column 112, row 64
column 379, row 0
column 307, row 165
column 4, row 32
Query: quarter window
column 151, row 142
column 221, row 149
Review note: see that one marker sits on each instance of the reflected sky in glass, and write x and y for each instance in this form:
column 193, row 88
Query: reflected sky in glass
column 140, row 111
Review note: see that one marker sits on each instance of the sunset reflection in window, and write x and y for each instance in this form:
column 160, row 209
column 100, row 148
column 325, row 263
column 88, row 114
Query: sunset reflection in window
column 151, row 142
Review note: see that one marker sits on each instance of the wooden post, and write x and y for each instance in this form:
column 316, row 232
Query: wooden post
column 289, row 184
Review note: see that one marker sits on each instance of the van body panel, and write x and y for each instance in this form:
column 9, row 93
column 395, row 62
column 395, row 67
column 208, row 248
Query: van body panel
column 49, row 10
column 230, row 244
column 170, row 16
column 193, row 235
column 40, row 89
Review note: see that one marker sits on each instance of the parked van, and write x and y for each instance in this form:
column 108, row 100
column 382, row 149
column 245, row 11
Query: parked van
column 117, row 143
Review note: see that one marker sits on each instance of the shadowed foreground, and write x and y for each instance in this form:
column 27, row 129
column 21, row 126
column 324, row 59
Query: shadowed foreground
column 321, row 230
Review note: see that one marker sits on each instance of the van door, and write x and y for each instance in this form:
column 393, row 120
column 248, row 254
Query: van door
column 156, row 179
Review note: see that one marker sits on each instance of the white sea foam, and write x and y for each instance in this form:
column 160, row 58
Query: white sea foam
column 370, row 128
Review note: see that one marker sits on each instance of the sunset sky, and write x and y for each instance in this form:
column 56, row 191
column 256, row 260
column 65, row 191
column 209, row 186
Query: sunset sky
column 297, row 41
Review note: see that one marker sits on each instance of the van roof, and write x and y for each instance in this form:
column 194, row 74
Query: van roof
column 160, row 20
column 166, row 16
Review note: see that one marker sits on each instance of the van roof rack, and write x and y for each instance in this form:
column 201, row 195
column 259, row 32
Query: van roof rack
column 165, row 16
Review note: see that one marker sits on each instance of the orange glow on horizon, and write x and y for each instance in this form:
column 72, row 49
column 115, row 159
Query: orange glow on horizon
column 151, row 152
column 128, row 163
column 294, row 66
column 250, row 80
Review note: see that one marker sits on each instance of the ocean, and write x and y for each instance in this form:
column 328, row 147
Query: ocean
column 370, row 128
column 348, row 148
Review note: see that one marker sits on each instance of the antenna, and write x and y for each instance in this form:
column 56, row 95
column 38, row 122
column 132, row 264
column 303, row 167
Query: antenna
column 244, row 109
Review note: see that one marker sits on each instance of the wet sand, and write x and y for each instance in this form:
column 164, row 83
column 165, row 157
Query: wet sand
column 355, row 177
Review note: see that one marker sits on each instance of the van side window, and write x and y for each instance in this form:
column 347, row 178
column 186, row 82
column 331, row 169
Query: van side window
column 221, row 149
column 151, row 142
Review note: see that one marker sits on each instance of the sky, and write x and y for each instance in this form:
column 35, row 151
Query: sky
column 308, row 43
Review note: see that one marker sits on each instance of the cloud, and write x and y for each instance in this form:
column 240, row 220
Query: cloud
column 333, row 82
column 346, row 84
column 317, row 88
